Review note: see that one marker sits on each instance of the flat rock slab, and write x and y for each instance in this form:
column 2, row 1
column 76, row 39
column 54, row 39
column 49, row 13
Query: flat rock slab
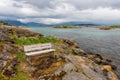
column 83, row 64
column 75, row 76
column 2, row 64
column 68, row 67
column 4, row 37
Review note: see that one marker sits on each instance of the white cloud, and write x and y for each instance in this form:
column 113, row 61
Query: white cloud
column 57, row 11
column 28, row 11
column 43, row 20
column 52, row 21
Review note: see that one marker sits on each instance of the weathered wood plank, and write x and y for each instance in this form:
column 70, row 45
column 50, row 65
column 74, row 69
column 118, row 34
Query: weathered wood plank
column 39, row 52
column 37, row 47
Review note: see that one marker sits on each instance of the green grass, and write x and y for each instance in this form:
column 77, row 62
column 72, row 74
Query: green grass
column 65, row 26
column 27, row 41
column 21, row 56
column 20, row 76
column 110, row 27
column 2, row 77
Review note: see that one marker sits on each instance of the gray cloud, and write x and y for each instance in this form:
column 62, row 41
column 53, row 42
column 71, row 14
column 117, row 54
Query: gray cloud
column 80, row 4
column 56, row 11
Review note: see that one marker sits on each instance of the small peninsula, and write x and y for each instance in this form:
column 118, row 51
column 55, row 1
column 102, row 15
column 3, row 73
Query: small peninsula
column 110, row 27
column 65, row 26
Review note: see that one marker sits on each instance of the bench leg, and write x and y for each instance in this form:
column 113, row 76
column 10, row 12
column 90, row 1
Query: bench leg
column 28, row 59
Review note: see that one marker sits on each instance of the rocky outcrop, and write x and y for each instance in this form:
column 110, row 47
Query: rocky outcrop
column 8, row 60
column 4, row 37
column 20, row 32
column 68, row 62
column 24, row 33
column 69, row 67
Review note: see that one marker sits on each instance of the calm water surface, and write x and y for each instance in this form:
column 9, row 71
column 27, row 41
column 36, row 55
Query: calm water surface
column 104, row 42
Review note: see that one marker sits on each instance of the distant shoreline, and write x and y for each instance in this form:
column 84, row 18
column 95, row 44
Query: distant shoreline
column 65, row 26
column 110, row 27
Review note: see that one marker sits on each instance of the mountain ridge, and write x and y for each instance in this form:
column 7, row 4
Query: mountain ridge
column 18, row 23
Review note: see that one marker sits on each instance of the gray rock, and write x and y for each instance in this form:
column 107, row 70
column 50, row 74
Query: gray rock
column 1, row 55
column 26, row 33
column 31, row 68
column 7, row 56
column 4, row 37
column 77, row 51
column 68, row 67
column 70, row 42
column 14, row 62
column 92, row 74
column 75, row 76
column 82, row 63
column 10, row 70
column 2, row 64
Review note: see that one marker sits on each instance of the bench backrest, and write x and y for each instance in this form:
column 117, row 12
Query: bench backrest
column 36, row 47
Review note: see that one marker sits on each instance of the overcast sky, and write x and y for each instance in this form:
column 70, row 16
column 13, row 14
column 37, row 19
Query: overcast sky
column 57, row 11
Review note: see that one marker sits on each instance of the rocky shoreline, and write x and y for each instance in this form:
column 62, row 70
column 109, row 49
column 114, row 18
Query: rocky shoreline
column 68, row 62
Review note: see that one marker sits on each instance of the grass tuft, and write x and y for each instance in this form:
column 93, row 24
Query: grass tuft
column 21, row 56
column 20, row 76
column 32, row 40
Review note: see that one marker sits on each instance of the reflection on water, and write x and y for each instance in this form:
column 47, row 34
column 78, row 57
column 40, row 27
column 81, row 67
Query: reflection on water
column 105, row 42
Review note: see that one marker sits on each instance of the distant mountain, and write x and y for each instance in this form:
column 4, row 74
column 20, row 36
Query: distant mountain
column 14, row 22
column 18, row 23
column 79, row 24
column 35, row 24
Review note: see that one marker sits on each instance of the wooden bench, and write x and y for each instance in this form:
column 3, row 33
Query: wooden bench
column 37, row 49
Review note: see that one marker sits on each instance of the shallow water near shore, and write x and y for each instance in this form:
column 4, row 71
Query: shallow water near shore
column 104, row 42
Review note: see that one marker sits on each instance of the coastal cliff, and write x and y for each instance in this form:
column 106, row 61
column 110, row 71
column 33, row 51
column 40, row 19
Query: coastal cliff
column 68, row 62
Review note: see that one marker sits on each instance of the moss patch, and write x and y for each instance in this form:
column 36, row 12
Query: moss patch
column 20, row 76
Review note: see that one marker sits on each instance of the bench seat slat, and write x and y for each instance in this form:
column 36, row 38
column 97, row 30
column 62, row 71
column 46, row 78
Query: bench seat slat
column 39, row 52
column 37, row 47
column 34, row 45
